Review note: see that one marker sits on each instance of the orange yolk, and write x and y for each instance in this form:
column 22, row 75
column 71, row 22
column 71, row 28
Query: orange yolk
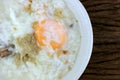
column 50, row 31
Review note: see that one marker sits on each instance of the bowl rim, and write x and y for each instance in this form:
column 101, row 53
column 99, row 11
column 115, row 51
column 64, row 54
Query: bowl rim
column 78, row 69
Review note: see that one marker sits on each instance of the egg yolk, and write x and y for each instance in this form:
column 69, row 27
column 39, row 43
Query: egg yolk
column 50, row 32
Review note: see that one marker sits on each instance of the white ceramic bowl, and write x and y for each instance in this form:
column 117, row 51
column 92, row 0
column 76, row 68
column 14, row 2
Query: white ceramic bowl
column 86, row 40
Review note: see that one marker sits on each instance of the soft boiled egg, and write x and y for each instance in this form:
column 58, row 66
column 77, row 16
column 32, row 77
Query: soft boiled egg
column 50, row 32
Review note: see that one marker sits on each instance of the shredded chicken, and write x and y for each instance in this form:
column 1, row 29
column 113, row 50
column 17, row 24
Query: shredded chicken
column 4, row 52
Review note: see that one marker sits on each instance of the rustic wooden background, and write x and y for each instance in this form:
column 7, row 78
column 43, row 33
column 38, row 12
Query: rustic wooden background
column 105, row 61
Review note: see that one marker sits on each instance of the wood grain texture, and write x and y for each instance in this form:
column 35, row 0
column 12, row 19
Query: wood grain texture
column 105, row 60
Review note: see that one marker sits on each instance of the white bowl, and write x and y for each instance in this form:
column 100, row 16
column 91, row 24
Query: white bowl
column 86, row 40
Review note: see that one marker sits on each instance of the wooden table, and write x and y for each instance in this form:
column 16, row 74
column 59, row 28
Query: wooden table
column 105, row 60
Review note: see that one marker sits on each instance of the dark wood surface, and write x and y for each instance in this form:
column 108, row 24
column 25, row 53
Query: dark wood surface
column 105, row 60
